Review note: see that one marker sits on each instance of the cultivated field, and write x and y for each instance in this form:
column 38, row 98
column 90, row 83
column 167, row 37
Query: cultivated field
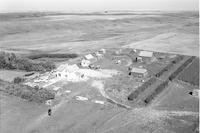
column 191, row 73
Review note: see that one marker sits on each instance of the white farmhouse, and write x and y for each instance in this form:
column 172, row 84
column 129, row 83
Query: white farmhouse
column 71, row 68
column 85, row 63
column 89, row 57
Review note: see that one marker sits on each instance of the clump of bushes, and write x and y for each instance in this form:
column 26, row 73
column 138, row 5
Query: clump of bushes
column 141, row 89
column 52, row 56
column 29, row 74
column 11, row 61
column 18, row 80
column 26, row 92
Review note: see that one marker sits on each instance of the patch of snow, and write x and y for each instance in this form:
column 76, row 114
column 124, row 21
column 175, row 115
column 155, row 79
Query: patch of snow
column 56, row 88
column 48, row 102
column 81, row 98
column 99, row 102
column 68, row 91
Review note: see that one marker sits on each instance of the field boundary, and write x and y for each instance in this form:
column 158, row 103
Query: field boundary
column 135, row 94
column 146, row 101
column 144, row 94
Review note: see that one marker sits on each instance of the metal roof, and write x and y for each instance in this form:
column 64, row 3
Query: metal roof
column 89, row 56
column 139, row 70
column 146, row 54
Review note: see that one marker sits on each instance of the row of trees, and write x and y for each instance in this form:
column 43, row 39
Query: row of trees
column 141, row 89
column 165, row 83
column 29, row 93
column 158, row 90
column 35, row 94
column 169, row 66
column 11, row 61
column 68, row 56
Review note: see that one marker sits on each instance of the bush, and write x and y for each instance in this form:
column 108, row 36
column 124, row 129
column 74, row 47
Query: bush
column 26, row 92
column 29, row 74
column 10, row 61
column 52, row 56
column 18, row 80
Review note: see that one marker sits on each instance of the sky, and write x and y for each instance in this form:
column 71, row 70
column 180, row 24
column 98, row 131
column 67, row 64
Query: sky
column 97, row 5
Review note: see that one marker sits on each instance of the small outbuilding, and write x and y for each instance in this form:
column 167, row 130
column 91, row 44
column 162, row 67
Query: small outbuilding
column 134, row 50
column 146, row 55
column 72, row 68
column 102, row 51
column 89, row 57
column 98, row 55
column 139, row 72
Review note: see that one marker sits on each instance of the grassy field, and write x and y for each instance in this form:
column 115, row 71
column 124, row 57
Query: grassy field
column 191, row 73
column 176, row 97
column 9, row 75
column 76, row 33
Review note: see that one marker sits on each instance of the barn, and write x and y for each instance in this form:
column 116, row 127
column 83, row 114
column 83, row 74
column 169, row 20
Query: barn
column 139, row 72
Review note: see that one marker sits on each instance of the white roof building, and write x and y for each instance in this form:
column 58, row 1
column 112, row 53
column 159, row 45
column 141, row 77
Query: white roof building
column 61, row 68
column 146, row 54
column 139, row 71
column 72, row 68
column 89, row 57
column 98, row 55
column 85, row 63
column 102, row 50
column 134, row 50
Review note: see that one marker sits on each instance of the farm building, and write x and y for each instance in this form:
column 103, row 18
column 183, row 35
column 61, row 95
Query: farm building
column 85, row 63
column 60, row 71
column 89, row 57
column 139, row 72
column 102, row 51
column 146, row 55
column 98, row 55
column 72, row 68
column 60, row 74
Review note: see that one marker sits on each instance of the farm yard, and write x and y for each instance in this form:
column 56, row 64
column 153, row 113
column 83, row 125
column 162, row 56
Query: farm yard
column 122, row 85
column 126, row 78
column 99, row 73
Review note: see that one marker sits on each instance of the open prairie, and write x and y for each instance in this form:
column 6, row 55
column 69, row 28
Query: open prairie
column 174, row 32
